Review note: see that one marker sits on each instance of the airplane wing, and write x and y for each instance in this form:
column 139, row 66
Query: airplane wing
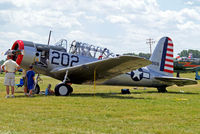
column 176, row 81
column 193, row 69
column 105, row 69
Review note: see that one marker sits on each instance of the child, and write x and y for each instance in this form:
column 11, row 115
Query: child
column 48, row 90
column 25, row 82
column 30, row 76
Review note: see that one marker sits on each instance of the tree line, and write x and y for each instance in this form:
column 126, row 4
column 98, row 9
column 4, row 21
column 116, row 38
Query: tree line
column 185, row 53
column 144, row 55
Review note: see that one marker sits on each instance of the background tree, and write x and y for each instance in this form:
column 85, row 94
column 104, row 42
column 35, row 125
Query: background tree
column 185, row 53
column 131, row 54
column 144, row 55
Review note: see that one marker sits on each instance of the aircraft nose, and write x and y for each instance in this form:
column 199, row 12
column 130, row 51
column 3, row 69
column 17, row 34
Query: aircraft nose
column 18, row 46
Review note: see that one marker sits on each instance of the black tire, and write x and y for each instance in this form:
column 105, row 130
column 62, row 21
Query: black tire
column 162, row 89
column 71, row 89
column 63, row 90
column 37, row 89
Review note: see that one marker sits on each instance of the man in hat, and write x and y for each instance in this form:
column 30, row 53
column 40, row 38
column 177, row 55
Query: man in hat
column 10, row 67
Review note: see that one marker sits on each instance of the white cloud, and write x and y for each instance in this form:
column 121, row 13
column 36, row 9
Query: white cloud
column 88, row 38
column 21, row 35
column 189, row 3
column 8, row 38
column 117, row 19
column 190, row 14
column 189, row 25
column 31, row 18
column 94, row 19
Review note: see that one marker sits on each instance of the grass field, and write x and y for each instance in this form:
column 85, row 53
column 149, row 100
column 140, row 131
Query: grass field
column 104, row 110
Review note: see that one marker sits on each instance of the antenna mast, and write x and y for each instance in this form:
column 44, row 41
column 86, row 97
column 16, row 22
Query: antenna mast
column 49, row 36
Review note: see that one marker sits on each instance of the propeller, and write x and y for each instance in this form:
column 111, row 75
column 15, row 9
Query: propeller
column 14, row 52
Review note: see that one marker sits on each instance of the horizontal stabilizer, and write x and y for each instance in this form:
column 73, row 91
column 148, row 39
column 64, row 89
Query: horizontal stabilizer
column 105, row 69
column 176, row 81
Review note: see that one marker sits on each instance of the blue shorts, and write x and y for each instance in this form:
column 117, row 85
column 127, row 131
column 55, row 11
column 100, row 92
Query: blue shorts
column 30, row 87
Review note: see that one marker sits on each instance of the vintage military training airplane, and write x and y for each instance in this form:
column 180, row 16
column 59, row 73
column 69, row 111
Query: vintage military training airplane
column 82, row 60
column 77, row 65
column 159, row 74
column 187, row 64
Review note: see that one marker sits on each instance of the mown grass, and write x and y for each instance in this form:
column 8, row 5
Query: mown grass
column 104, row 110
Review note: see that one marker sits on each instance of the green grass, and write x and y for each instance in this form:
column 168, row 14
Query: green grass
column 104, row 110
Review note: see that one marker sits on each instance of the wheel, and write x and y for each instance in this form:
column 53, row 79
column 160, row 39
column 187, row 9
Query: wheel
column 63, row 89
column 37, row 89
column 162, row 89
column 71, row 90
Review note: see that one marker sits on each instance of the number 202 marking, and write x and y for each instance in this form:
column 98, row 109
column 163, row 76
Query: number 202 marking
column 72, row 58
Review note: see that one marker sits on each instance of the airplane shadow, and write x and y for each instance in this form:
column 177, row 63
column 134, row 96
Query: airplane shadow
column 112, row 95
column 169, row 92
column 102, row 95
column 34, row 96
column 106, row 95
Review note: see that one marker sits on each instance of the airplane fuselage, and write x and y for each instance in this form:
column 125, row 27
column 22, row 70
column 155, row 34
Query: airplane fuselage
column 143, row 77
column 45, row 58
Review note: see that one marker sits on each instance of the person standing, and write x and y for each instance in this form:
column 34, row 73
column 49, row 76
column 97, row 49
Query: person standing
column 25, row 81
column 10, row 67
column 30, row 76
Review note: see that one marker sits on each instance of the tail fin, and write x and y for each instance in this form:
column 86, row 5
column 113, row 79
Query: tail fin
column 162, row 57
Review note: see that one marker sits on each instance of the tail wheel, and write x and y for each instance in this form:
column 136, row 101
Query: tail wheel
column 63, row 90
column 162, row 89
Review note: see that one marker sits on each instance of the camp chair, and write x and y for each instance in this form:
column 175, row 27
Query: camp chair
column 21, row 83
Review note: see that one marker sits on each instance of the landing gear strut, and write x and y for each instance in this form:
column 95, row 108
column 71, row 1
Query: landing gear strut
column 64, row 88
column 162, row 89
column 36, row 89
column 178, row 74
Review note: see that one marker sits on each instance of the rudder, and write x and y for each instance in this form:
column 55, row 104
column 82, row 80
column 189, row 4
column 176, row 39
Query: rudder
column 162, row 57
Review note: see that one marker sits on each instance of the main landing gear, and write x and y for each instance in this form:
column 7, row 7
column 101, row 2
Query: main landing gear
column 64, row 88
column 36, row 89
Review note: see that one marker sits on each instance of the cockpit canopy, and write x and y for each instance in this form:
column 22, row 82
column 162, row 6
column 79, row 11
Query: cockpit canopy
column 85, row 49
column 61, row 43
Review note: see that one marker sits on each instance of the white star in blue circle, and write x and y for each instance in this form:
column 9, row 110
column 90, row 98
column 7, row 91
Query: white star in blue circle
column 137, row 75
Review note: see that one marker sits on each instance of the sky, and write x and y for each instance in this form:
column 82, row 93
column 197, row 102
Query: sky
column 119, row 25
